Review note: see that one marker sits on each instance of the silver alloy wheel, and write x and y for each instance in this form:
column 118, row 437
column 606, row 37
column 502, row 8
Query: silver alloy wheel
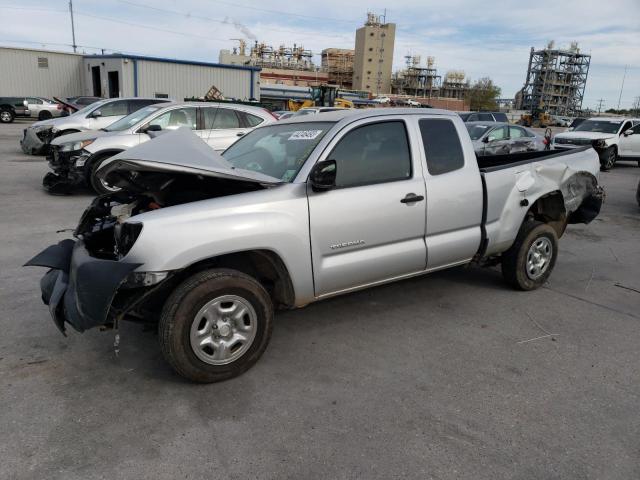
column 539, row 257
column 223, row 330
column 5, row 116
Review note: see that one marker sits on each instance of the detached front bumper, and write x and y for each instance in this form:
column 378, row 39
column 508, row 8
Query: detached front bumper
column 79, row 289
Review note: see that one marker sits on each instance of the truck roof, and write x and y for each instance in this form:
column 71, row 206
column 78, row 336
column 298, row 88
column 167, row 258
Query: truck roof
column 354, row 114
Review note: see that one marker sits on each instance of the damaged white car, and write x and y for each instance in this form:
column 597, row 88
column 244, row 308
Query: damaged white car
column 613, row 138
column 206, row 247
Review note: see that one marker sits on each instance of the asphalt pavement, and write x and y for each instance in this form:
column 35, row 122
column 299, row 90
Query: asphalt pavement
column 449, row 376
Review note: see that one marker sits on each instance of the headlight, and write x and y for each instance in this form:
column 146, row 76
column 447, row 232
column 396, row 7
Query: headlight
column 126, row 235
column 73, row 146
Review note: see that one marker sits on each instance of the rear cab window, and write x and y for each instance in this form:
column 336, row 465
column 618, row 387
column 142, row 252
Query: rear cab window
column 442, row 147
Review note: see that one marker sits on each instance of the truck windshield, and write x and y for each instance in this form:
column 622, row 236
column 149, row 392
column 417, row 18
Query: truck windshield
column 131, row 119
column 277, row 150
column 476, row 131
column 601, row 126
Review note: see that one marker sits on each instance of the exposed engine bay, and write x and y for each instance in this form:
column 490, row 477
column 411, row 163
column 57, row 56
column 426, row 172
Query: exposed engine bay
column 102, row 226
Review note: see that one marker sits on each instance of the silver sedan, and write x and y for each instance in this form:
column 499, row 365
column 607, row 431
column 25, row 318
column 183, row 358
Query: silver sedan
column 497, row 138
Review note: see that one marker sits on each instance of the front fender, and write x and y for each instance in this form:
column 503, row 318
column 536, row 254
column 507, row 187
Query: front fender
column 274, row 219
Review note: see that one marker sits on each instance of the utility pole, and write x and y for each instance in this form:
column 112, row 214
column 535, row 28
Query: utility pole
column 622, row 86
column 636, row 106
column 600, row 103
column 73, row 28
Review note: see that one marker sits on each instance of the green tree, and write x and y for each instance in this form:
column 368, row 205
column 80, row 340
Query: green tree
column 483, row 95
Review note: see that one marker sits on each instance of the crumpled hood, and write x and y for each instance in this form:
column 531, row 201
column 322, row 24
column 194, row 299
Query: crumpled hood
column 586, row 135
column 180, row 151
column 80, row 136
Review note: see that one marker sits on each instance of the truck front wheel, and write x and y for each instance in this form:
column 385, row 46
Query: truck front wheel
column 530, row 260
column 215, row 325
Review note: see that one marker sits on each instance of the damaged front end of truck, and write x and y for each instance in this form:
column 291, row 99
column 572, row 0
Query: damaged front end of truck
column 91, row 282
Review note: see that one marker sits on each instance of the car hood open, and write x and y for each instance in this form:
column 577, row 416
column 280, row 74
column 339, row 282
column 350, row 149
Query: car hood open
column 180, row 151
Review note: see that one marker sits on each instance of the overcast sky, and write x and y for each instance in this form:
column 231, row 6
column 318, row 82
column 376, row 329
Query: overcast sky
column 488, row 38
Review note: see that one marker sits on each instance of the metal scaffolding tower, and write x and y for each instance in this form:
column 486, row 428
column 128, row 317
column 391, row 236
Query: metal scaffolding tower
column 556, row 80
column 416, row 80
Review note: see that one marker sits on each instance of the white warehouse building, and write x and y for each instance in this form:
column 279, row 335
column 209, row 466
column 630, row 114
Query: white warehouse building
column 46, row 73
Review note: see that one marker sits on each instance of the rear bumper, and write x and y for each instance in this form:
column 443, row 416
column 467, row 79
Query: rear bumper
column 79, row 289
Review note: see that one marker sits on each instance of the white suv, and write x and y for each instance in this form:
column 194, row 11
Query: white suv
column 614, row 139
column 37, row 137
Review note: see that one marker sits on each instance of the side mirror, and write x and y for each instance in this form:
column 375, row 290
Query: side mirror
column 485, row 140
column 96, row 114
column 154, row 127
column 628, row 132
column 323, row 176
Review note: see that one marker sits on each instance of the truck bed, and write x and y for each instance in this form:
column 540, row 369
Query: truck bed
column 492, row 163
column 513, row 182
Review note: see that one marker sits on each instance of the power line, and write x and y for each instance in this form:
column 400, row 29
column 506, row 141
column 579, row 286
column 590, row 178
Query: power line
column 600, row 104
column 226, row 21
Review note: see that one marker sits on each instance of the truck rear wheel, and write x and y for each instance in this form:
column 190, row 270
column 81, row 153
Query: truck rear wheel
column 530, row 260
column 215, row 325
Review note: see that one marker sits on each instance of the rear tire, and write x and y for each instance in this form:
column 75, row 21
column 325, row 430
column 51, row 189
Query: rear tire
column 608, row 159
column 530, row 260
column 44, row 115
column 194, row 315
column 6, row 116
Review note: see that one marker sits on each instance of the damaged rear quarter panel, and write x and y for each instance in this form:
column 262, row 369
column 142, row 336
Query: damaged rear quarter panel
column 574, row 175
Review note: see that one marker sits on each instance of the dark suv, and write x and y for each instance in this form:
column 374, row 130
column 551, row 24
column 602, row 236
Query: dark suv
column 12, row 107
column 483, row 117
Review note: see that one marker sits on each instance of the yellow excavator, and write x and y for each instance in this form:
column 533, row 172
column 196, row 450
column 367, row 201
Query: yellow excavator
column 321, row 96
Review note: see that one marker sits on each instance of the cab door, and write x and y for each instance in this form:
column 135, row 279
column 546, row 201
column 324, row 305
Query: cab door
column 221, row 127
column 629, row 145
column 371, row 226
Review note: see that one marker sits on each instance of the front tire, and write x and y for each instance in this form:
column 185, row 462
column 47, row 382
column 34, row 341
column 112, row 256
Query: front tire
column 215, row 325
column 608, row 159
column 98, row 184
column 530, row 260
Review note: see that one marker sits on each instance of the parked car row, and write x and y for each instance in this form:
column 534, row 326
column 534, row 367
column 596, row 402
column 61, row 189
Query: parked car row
column 75, row 158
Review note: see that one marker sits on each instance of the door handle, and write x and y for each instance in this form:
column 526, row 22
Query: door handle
column 412, row 198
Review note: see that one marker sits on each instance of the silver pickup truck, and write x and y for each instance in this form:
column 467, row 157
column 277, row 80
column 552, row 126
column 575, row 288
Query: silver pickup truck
column 207, row 246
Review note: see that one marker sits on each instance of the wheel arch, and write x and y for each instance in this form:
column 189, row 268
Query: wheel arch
column 266, row 266
column 550, row 209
